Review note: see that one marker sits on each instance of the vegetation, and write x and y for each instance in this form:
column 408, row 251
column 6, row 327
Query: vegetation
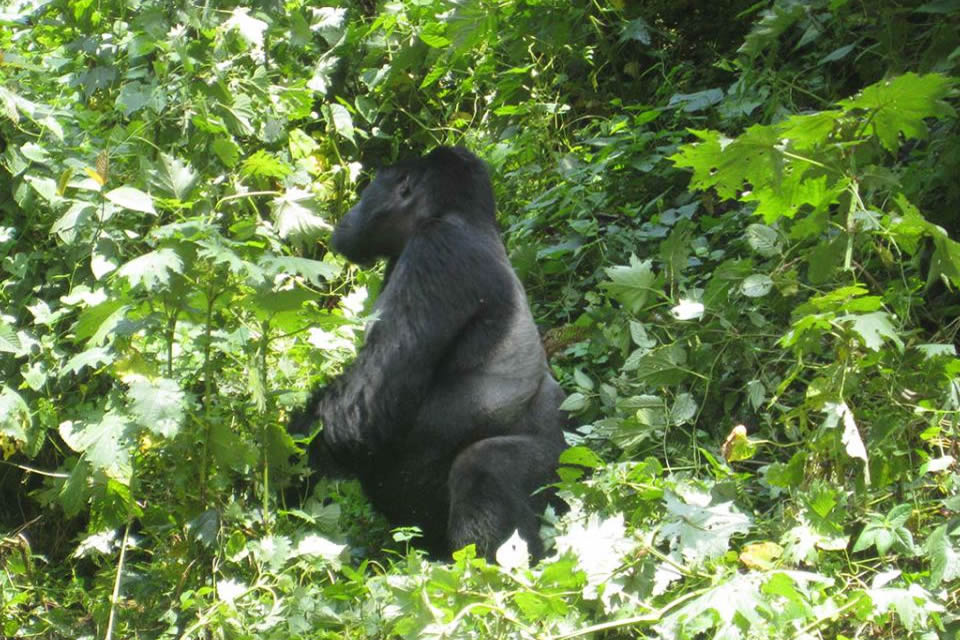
column 736, row 223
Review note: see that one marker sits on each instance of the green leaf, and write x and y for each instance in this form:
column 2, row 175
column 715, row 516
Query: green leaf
column 79, row 216
column 9, row 342
column 227, row 150
column 175, row 177
column 912, row 605
column 263, row 165
column 873, row 329
column 133, row 97
column 574, row 402
column 156, row 403
column 341, row 120
column 683, row 410
column 93, row 318
column 756, row 285
column 630, row 285
column 103, row 257
column 763, row 239
column 250, row 29
column 944, row 556
column 93, row 358
column 131, row 198
column 693, row 102
column 105, row 443
column 433, row 35
column 316, row 271
column 294, row 212
column 152, row 270
column 901, row 105
column 15, row 419
column 884, row 532
column 581, row 456
column 698, row 528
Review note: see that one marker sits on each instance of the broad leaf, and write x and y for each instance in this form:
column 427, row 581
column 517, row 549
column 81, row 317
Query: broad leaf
column 152, row 270
column 131, row 198
column 901, row 106
column 175, row 177
column 630, row 285
column 294, row 212
column 104, row 442
column 157, row 404
column 699, row 529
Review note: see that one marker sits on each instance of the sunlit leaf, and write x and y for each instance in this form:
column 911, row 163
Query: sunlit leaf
column 157, row 404
column 294, row 212
column 631, row 284
column 104, row 442
column 152, row 270
column 131, row 198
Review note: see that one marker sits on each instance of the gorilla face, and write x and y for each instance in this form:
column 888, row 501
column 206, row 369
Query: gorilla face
column 391, row 206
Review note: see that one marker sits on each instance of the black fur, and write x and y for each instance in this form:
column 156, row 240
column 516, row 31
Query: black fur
column 449, row 415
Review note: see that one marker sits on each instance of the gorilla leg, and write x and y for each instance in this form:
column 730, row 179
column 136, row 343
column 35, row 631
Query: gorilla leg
column 491, row 488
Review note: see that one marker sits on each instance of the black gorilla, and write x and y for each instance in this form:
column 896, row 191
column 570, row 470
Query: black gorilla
column 449, row 416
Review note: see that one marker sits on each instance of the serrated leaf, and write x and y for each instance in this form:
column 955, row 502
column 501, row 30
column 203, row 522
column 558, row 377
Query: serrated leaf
column 152, row 270
column 93, row 358
column 600, row 547
column 249, row 28
column 157, row 404
column 105, row 443
column 944, row 556
column 901, row 106
column 630, row 285
column 175, row 177
column 262, row 164
column 581, row 456
column 131, row 198
column 698, row 529
column 873, row 329
column 636, row 29
column 913, row 605
column 9, row 342
column 294, row 212
column 316, row 271
column 432, row 35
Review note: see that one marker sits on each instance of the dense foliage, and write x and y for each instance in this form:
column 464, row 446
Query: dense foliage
column 736, row 223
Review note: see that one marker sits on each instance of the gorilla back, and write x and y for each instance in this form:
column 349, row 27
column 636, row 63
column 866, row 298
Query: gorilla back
column 449, row 415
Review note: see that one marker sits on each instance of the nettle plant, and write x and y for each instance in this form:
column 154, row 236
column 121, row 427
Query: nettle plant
column 840, row 254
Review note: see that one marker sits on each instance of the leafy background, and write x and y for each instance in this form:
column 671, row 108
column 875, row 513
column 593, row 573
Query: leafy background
column 736, row 224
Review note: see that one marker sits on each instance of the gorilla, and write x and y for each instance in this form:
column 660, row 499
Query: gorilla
column 449, row 416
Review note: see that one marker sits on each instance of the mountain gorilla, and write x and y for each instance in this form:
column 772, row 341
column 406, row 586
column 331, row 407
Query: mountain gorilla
column 449, row 415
